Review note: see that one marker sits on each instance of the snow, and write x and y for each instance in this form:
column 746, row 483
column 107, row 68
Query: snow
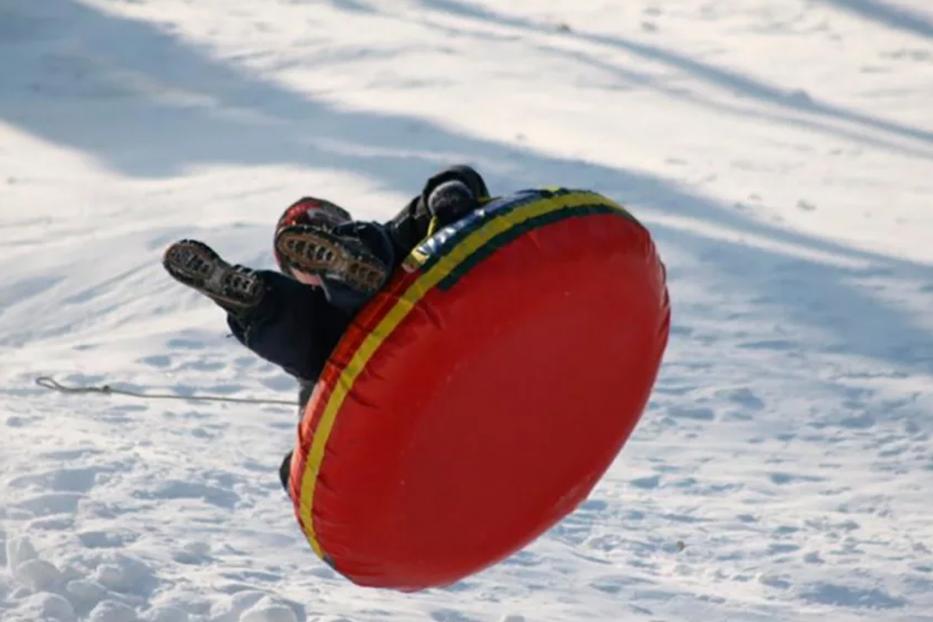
column 780, row 152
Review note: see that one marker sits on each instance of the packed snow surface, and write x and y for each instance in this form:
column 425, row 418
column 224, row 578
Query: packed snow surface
column 780, row 151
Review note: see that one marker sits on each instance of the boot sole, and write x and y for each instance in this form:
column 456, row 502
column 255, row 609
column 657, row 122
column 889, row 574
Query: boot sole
column 196, row 265
column 321, row 252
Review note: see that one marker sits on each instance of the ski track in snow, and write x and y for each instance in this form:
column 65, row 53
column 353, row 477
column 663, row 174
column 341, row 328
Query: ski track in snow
column 779, row 151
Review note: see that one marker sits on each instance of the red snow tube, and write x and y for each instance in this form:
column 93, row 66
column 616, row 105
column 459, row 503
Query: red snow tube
column 481, row 395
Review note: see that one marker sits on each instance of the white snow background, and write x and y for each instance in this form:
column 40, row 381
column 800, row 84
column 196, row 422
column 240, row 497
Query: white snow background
column 780, row 151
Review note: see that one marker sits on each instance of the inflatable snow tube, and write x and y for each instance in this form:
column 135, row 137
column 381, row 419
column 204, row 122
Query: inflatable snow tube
column 480, row 396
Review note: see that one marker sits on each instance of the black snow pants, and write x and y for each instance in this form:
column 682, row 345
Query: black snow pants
column 297, row 326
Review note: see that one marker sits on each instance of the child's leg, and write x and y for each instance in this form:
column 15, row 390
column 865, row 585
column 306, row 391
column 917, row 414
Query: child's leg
column 295, row 326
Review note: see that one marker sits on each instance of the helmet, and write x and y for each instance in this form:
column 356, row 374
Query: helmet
column 309, row 211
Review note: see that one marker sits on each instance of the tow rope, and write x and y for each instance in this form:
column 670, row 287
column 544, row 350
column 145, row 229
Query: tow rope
column 47, row 382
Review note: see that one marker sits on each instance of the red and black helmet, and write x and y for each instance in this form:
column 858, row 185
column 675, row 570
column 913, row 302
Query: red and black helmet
column 309, row 211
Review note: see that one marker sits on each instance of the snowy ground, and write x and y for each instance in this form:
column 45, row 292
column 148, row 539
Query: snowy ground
column 780, row 151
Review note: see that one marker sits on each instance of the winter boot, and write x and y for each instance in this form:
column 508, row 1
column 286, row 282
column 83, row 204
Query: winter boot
column 236, row 289
column 344, row 259
column 320, row 213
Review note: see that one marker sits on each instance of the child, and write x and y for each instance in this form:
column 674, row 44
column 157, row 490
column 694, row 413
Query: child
column 331, row 266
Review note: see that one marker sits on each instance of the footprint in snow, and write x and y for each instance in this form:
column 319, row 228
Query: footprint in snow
column 853, row 597
column 79, row 480
column 257, row 606
column 193, row 553
column 106, row 539
column 50, row 504
column 177, row 489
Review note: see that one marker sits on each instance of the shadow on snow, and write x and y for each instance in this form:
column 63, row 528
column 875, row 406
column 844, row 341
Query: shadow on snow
column 162, row 105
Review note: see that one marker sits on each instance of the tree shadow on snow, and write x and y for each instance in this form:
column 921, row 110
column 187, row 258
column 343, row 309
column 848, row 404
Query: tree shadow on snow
column 744, row 86
column 163, row 105
column 893, row 16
